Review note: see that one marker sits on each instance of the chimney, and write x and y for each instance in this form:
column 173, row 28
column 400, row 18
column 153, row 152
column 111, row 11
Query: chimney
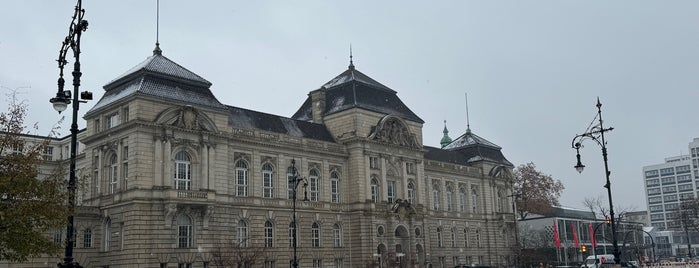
column 317, row 105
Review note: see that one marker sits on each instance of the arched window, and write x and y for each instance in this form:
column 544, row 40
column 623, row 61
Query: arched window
column 334, row 187
column 390, row 191
column 474, row 199
column 184, row 231
column 411, row 193
column 337, row 235
column 290, row 182
column 269, row 234
column 374, row 189
column 113, row 178
column 241, row 178
column 292, row 234
column 87, row 238
column 315, row 235
column 242, row 233
column 267, row 181
column 440, row 241
column 436, row 196
column 462, row 199
column 450, row 198
column 183, row 171
column 314, row 184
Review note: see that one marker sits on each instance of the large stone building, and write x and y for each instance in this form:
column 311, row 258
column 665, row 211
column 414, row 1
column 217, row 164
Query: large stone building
column 171, row 176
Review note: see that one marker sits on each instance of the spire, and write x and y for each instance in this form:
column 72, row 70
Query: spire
column 351, row 66
column 446, row 140
column 468, row 124
column 157, row 50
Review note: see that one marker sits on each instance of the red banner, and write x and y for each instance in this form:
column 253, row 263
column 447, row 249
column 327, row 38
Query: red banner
column 555, row 235
column 575, row 236
column 592, row 235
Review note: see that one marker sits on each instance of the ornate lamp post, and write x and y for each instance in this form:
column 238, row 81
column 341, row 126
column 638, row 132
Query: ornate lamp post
column 596, row 133
column 294, row 181
column 60, row 103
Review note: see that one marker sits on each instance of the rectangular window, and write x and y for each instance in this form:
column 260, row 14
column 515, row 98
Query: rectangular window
column 684, row 178
column 656, row 217
column 334, row 191
column 270, row 264
column 339, row 263
column 373, row 162
column 391, row 191
column 653, row 191
column 671, row 206
column 684, row 187
column 682, row 169
column 668, row 180
column 667, row 171
column 410, row 168
column 652, row 173
column 267, row 184
column 58, row 237
column 669, row 189
column 87, row 238
column 184, row 234
column 112, row 120
column 670, row 198
column 652, row 182
column 47, row 153
column 184, row 265
column 656, row 199
column 317, row 263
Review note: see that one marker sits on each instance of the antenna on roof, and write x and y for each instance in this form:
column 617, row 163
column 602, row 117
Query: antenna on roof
column 468, row 124
column 157, row 50
column 351, row 66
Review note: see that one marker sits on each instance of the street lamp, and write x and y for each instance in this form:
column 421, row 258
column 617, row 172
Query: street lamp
column 60, row 103
column 596, row 133
column 294, row 181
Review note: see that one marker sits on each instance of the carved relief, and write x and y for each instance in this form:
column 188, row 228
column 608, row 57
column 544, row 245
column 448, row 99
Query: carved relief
column 394, row 131
column 170, row 212
column 186, row 117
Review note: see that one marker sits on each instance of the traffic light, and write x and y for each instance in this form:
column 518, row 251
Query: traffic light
column 607, row 220
column 584, row 248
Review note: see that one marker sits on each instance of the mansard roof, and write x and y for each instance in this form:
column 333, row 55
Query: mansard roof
column 469, row 148
column 353, row 89
column 161, row 78
column 249, row 119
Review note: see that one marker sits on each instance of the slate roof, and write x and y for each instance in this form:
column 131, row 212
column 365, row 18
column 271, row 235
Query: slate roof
column 162, row 78
column 353, row 89
column 469, row 148
column 249, row 119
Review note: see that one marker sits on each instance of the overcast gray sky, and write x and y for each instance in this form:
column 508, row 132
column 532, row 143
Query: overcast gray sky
column 532, row 69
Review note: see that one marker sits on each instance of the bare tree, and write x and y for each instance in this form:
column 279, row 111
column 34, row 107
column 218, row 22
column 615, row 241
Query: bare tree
column 687, row 218
column 237, row 255
column 599, row 207
column 536, row 192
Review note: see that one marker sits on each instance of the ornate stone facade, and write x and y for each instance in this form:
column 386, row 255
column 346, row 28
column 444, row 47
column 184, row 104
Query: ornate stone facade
column 175, row 177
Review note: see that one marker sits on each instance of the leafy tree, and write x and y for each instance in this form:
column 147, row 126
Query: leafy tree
column 536, row 192
column 31, row 203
